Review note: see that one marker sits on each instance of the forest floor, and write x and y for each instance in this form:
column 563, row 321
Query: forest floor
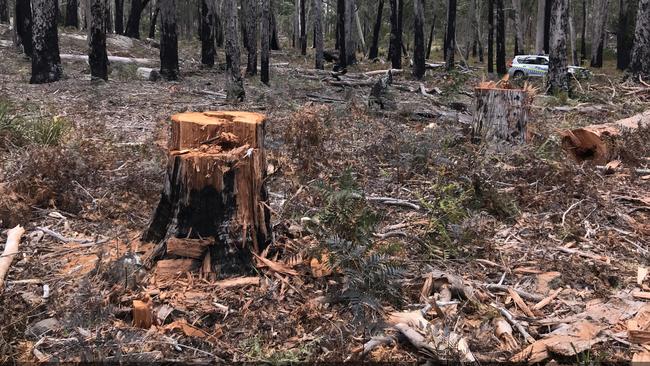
column 84, row 161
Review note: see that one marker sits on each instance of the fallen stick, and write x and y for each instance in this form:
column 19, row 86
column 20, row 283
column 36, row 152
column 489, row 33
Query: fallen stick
column 523, row 294
column 381, row 72
column 393, row 201
column 515, row 324
column 580, row 253
column 547, row 300
column 9, row 252
column 116, row 59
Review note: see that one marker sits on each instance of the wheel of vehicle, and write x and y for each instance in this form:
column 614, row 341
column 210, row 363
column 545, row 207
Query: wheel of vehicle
column 518, row 75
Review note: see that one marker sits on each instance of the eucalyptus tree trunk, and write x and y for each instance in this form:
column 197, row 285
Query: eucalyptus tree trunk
column 640, row 59
column 599, row 32
column 476, row 25
column 303, row 28
column 4, row 11
column 218, row 28
column 547, row 24
column 583, row 38
column 572, row 37
column 265, row 40
column 431, row 35
column 450, row 37
column 296, row 24
column 235, row 89
column 154, row 21
column 625, row 32
column 539, row 30
column 395, row 47
column 374, row 46
column 350, row 43
column 23, row 26
column 318, row 33
column 168, row 40
column 71, row 13
column 518, row 29
column 501, row 39
column 46, row 62
column 419, row 67
column 97, row 56
column 119, row 16
column 490, row 55
column 251, row 35
column 558, row 75
column 275, row 40
column 133, row 24
column 340, row 32
column 207, row 32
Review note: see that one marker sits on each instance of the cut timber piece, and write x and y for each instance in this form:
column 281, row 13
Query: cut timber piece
column 142, row 313
column 590, row 143
column 214, row 188
column 172, row 268
column 501, row 115
column 148, row 74
column 187, row 248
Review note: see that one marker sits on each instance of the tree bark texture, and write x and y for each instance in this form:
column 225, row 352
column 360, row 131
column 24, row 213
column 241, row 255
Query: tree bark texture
column 235, row 89
column 599, row 32
column 97, row 57
column 168, row 40
column 207, row 32
column 71, row 13
column 501, row 115
column 46, row 62
column 350, row 43
column 376, row 30
column 24, row 24
column 419, row 61
column 119, row 16
column 490, row 52
column 133, row 24
column 154, row 21
column 547, row 24
column 340, row 33
column 539, row 30
column 214, row 197
column 450, row 37
column 303, row 28
column 275, row 40
column 251, row 31
column 640, row 59
column 395, row 47
column 265, row 37
column 501, row 39
column 573, row 49
column 558, row 76
column 4, row 11
column 518, row 28
column 625, row 32
column 318, row 33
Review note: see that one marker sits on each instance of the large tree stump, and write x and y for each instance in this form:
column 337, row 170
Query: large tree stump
column 501, row 114
column 214, row 191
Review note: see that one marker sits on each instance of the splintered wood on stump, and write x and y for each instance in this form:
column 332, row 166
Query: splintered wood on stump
column 501, row 114
column 214, row 189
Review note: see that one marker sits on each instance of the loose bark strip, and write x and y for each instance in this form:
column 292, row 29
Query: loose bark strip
column 10, row 251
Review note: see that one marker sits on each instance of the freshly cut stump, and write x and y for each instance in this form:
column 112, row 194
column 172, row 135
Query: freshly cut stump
column 213, row 208
column 501, row 115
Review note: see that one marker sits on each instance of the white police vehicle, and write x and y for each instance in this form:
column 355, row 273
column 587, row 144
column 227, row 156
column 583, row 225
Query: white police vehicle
column 524, row 66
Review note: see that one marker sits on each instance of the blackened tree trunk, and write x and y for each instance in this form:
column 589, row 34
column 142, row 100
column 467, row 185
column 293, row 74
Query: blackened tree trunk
column 275, row 40
column 119, row 16
column 154, row 21
column 23, row 27
column 218, row 29
column 547, row 24
column 573, row 49
column 350, row 44
column 235, row 90
column 340, row 32
column 133, row 24
column 168, row 40
column 318, row 33
column 518, row 28
column 490, row 55
column 207, row 33
column 558, row 76
column 97, row 57
column 295, row 40
column 583, row 37
column 374, row 46
column 431, row 34
column 71, row 13
column 625, row 33
column 265, row 40
column 539, row 30
column 303, row 28
column 400, row 25
column 46, row 62
column 251, row 35
column 599, row 32
column 450, row 37
column 4, row 11
column 395, row 47
column 640, row 59
column 419, row 61
column 501, row 39
column 477, row 47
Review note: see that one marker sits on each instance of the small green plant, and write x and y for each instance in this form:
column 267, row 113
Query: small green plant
column 35, row 128
column 255, row 352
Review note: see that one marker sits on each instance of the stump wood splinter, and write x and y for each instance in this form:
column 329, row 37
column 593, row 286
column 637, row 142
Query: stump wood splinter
column 214, row 197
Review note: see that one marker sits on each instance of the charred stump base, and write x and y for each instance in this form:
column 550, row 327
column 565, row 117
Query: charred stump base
column 212, row 213
column 501, row 115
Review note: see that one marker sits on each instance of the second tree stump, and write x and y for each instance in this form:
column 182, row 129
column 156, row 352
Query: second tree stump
column 212, row 212
column 501, row 113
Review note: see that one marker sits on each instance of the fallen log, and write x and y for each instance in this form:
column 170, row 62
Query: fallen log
column 214, row 190
column 147, row 73
column 10, row 251
column 116, row 59
column 591, row 142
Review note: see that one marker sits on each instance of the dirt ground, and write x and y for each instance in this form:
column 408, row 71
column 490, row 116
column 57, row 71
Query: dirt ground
column 526, row 217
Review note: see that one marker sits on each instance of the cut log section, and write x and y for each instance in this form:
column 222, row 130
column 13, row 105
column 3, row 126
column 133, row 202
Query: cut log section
column 590, row 143
column 213, row 206
column 501, row 113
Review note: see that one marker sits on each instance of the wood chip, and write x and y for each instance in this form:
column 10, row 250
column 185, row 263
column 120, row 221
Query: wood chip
column 238, row 282
column 547, row 300
column 520, row 303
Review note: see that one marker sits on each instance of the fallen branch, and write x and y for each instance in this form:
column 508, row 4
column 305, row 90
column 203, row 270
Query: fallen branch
column 580, row 253
column 116, row 59
column 394, row 201
column 515, row 324
column 10, row 251
column 523, row 294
